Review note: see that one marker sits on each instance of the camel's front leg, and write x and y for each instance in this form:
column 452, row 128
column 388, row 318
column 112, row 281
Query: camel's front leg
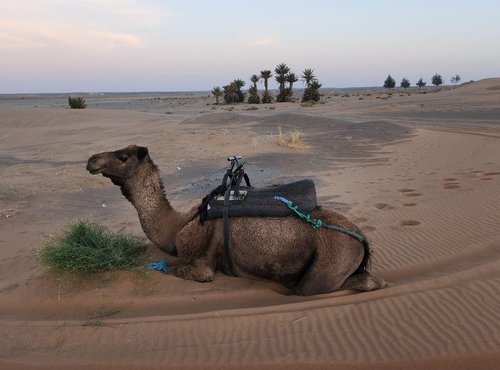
column 195, row 246
column 198, row 270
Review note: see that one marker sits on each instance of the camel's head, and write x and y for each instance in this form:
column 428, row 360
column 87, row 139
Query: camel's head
column 118, row 165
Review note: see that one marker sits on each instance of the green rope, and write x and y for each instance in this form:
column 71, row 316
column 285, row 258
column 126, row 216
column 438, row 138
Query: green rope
column 316, row 223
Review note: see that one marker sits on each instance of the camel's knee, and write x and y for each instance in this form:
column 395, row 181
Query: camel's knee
column 364, row 282
column 200, row 272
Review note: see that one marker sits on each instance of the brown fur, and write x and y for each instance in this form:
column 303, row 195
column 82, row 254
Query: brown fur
column 287, row 249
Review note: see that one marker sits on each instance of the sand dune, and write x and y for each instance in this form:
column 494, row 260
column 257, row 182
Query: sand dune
column 422, row 181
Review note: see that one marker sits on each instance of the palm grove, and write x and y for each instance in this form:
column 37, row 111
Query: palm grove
column 232, row 92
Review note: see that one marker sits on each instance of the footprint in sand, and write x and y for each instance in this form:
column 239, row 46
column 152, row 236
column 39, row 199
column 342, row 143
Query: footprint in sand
column 409, row 204
column 451, row 185
column 489, row 175
column 406, row 190
column 412, row 194
column 409, row 223
column 383, row 206
column 409, row 192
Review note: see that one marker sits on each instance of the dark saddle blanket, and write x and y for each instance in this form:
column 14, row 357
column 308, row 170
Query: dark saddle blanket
column 249, row 201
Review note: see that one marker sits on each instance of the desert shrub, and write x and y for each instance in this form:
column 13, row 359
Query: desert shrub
column 77, row 103
column 266, row 97
column 233, row 93
column 292, row 139
column 311, row 93
column 253, row 97
column 87, row 247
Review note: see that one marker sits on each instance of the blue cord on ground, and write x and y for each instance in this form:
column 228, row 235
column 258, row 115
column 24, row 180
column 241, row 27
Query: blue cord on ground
column 161, row 265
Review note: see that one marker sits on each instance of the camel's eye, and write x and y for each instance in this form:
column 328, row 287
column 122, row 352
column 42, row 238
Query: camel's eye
column 123, row 157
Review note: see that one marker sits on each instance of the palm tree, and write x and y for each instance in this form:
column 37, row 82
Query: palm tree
column 308, row 76
column 266, row 96
column 239, row 84
column 266, row 75
column 254, row 79
column 281, row 70
column 291, row 78
column 281, row 79
column 217, row 92
column 231, row 93
column 311, row 93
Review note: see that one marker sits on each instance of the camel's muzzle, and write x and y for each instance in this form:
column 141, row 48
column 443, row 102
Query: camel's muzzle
column 92, row 166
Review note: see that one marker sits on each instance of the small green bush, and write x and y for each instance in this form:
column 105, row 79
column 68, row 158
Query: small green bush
column 88, row 247
column 77, row 103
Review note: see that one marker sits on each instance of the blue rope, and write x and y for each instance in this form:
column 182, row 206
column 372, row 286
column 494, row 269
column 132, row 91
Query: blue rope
column 161, row 265
column 316, row 223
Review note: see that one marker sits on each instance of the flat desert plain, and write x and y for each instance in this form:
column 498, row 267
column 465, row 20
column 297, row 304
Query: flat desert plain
column 419, row 173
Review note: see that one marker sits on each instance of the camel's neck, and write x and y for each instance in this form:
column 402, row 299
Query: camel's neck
column 159, row 220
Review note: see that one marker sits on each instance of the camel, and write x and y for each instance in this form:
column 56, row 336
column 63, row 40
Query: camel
column 286, row 249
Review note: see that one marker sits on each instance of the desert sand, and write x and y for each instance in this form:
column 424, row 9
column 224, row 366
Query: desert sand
column 420, row 173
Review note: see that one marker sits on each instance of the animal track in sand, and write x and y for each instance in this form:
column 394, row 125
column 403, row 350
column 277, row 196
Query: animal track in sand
column 406, row 190
column 448, row 179
column 491, row 173
column 409, row 192
column 409, row 204
column 451, row 185
column 412, row 194
column 486, row 178
column 409, row 223
column 383, row 206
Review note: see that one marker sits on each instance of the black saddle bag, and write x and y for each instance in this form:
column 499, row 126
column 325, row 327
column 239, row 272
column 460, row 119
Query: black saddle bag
column 250, row 201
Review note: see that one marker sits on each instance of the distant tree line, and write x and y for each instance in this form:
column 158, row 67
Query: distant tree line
column 232, row 93
column 436, row 80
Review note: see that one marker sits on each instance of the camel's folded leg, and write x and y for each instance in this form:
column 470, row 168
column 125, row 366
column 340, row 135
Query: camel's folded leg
column 198, row 270
column 364, row 282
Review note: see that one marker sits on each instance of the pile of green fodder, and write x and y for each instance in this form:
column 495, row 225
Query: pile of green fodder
column 86, row 247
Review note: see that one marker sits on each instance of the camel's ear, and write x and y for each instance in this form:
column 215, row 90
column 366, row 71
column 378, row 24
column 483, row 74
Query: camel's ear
column 142, row 152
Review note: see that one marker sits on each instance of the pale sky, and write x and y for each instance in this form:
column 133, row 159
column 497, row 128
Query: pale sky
column 194, row 45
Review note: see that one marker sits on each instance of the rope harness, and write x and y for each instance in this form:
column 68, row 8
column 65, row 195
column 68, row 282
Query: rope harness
column 316, row 223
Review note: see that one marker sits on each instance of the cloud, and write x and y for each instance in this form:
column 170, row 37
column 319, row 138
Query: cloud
column 16, row 35
column 93, row 24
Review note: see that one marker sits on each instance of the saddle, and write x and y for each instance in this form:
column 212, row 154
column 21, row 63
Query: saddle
column 260, row 202
column 231, row 199
column 248, row 201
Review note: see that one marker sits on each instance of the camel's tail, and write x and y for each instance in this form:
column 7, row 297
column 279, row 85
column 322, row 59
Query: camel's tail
column 365, row 262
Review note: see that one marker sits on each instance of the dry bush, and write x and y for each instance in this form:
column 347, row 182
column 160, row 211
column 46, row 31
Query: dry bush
column 77, row 103
column 292, row 139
